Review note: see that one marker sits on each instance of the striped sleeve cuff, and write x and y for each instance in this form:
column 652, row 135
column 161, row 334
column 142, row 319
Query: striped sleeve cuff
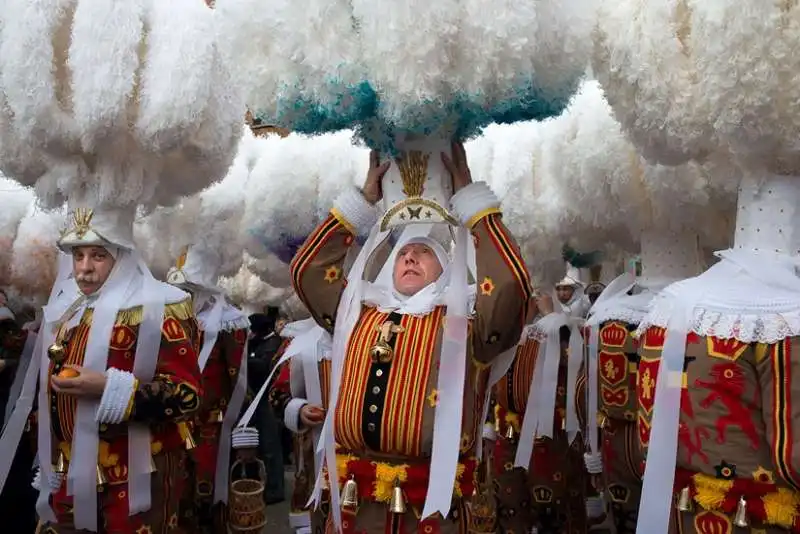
column 354, row 212
column 474, row 202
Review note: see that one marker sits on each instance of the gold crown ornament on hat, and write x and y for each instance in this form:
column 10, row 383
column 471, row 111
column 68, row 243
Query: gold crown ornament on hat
column 176, row 276
column 417, row 187
column 97, row 226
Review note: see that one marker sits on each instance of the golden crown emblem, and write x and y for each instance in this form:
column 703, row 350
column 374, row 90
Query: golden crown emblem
column 613, row 335
column 542, row 494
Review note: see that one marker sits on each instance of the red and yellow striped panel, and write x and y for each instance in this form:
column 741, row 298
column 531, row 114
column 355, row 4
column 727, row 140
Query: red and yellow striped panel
column 68, row 404
column 354, row 379
column 511, row 391
column 509, row 252
column 309, row 250
column 324, row 367
column 406, row 392
column 783, row 442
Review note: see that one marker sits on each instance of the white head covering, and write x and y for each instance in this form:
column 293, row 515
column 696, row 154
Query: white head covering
column 387, row 298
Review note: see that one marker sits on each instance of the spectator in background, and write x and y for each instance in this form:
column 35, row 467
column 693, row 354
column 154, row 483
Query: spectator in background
column 264, row 345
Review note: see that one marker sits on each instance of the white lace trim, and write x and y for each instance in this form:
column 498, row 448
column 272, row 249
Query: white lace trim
column 747, row 328
column 532, row 331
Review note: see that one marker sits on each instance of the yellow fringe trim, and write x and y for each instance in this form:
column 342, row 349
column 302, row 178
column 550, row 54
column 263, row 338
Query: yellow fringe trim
column 181, row 311
column 511, row 419
column 386, row 475
column 781, row 506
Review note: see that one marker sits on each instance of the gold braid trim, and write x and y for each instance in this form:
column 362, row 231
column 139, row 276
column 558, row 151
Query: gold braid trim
column 181, row 311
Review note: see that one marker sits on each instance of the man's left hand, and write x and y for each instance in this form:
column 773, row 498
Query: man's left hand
column 457, row 166
column 88, row 383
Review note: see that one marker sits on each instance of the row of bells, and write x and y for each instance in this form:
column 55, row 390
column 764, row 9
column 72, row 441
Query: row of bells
column 739, row 520
column 397, row 504
column 511, row 433
column 61, row 468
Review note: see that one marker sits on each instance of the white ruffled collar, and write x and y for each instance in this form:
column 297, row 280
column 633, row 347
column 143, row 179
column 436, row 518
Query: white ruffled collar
column 749, row 296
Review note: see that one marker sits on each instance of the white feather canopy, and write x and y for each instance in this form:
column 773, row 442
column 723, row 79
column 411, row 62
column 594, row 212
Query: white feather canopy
column 247, row 290
column 15, row 201
column 686, row 78
column 208, row 221
column 122, row 103
column 293, row 186
column 600, row 190
column 323, row 65
column 34, row 261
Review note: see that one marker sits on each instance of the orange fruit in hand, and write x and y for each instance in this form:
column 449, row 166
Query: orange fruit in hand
column 68, row 372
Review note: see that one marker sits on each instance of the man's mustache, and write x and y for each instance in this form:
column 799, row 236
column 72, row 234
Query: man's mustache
column 90, row 278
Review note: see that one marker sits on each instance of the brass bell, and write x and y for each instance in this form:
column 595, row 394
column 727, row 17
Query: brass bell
column 685, row 500
column 381, row 352
column 510, row 432
column 186, row 435
column 220, row 417
column 101, row 477
column 350, row 494
column 740, row 519
column 56, row 352
column 398, row 502
column 602, row 420
column 61, row 464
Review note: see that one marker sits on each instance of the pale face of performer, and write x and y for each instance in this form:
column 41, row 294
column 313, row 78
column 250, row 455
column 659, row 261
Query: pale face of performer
column 91, row 266
column 564, row 293
column 415, row 267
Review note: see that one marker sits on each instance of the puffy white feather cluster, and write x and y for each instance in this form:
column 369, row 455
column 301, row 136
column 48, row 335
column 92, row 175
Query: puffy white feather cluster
column 292, row 188
column 34, row 255
column 318, row 65
column 686, row 78
column 577, row 178
column 248, row 291
column 209, row 221
column 121, row 103
column 15, row 201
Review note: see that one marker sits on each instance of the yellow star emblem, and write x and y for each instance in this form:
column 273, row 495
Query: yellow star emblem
column 332, row 274
column 763, row 475
column 433, row 398
column 487, row 287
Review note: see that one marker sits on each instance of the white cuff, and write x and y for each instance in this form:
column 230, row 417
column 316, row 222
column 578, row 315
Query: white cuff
column 594, row 462
column 244, row 437
column 472, row 200
column 354, row 208
column 488, row 432
column 116, row 396
column 595, row 507
column 55, row 482
column 291, row 415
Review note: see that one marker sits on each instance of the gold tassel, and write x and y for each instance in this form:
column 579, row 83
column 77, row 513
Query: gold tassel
column 61, row 464
column 685, row 500
column 398, row 503
column 740, row 519
column 101, row 477
column 186, row 435
column 350, row 494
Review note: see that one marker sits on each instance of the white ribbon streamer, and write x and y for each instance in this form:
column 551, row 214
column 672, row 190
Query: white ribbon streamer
column 452, row 372
column 231, row 413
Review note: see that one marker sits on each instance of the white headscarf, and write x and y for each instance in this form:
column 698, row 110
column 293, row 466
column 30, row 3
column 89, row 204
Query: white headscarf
column 386, row 298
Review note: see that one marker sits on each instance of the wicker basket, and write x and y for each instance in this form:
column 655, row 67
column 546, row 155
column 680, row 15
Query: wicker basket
column 246, row 509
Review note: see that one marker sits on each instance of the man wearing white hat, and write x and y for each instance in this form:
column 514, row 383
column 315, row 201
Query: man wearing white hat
column 121, row 383
column 387, row 421
column 570, row 293
column 223, row 336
